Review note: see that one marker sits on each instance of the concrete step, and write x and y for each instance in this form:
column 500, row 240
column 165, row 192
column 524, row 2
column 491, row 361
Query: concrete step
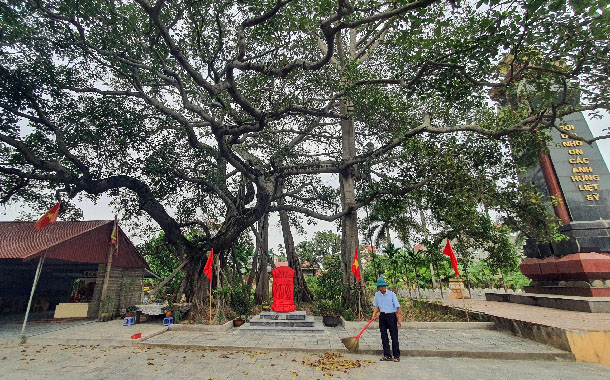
column 274, row 315
column 316, row 328
column 283, row 323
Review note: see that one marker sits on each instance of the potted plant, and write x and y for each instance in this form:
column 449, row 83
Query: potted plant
column 239, row 301
column 330, row 312
column 329, row 290
column 169, row 309
column 130, row 311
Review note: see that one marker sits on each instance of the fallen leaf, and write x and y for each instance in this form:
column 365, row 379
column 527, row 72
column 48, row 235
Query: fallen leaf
column 245, row 372
column 151, row 363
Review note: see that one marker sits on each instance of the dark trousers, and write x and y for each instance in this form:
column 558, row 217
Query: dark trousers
column 389, row 322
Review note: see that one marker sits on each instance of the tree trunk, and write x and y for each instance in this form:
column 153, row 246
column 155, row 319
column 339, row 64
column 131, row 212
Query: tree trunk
column 301, row 291
column 425, row 230
column 261, row 294
column 196, row 284
column 349, row 222
column 253, row 270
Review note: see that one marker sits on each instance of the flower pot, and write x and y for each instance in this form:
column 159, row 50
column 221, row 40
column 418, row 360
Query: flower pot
column 238, row 322
column 130, row 314
column 168, row 313
column 331, row 321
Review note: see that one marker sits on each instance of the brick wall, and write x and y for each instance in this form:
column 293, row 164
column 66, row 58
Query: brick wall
column 124, row 288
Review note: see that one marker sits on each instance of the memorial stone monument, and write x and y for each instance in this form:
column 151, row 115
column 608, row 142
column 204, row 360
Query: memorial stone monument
column 575, row 173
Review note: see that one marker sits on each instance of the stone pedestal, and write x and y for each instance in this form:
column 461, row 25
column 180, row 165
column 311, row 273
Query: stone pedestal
column 457, row 289
column 578, row 274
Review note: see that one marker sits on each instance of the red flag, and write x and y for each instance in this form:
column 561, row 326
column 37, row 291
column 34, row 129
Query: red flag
column 208, row 266
column 114, row 237
column 136, row 336
column 355, row 266
column 49, row 217
column 449, row 252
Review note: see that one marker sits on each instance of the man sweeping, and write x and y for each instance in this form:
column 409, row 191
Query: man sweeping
column 387, row 307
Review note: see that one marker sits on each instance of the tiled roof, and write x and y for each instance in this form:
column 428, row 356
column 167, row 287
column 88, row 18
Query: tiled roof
column 85, row 242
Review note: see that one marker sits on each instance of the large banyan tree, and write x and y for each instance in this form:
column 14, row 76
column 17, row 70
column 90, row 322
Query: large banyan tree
column 197, row 111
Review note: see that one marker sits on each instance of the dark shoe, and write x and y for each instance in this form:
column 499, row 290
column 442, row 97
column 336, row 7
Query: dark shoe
column 386, row 359
column 396, row 359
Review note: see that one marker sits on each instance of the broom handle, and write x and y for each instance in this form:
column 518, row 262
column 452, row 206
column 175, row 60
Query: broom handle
column 365, row 327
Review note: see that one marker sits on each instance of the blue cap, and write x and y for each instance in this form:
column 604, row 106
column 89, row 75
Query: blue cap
column 381, row 282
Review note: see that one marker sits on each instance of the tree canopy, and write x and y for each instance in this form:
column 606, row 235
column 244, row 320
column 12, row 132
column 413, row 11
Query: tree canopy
column 199, row 112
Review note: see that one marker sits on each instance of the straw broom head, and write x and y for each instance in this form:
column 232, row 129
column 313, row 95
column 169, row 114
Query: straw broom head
column 351, row 343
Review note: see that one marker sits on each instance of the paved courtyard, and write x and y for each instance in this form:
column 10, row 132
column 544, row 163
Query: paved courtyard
column 67, row 362
column 104, row 350
column 422, row 342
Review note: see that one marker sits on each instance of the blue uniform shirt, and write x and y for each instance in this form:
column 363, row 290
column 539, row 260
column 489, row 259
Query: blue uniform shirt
column 387, row 303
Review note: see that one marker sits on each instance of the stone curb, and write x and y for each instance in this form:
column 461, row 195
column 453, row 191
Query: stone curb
column 500, row 355
column 202, row 328
column 41, row 339
column 429, row 325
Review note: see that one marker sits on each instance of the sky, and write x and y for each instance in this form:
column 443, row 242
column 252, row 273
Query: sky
column 102, row 211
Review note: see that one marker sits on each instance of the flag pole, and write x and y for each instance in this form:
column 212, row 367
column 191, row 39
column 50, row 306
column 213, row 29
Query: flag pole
column 359, row 295
column 211, row 291
column 36, row 277
column 108, row 267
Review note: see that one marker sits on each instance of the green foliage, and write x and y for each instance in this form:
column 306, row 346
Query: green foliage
column 162, row 260
column 190, row 112
column 108, row 305
column 329, row 289
column 239, row 300
column 322, row 244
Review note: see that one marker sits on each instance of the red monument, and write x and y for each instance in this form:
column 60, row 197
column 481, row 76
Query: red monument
column 283, row 290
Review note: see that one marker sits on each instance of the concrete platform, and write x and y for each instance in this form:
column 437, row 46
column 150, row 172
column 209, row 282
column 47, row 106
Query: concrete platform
column 572, row 303
column 586, row 335
column 283, row 327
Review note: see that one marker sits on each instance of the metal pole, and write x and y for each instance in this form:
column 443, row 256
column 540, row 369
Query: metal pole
column 27, row 311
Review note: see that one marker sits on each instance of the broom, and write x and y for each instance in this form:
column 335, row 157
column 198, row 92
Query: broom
column 353, row 343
